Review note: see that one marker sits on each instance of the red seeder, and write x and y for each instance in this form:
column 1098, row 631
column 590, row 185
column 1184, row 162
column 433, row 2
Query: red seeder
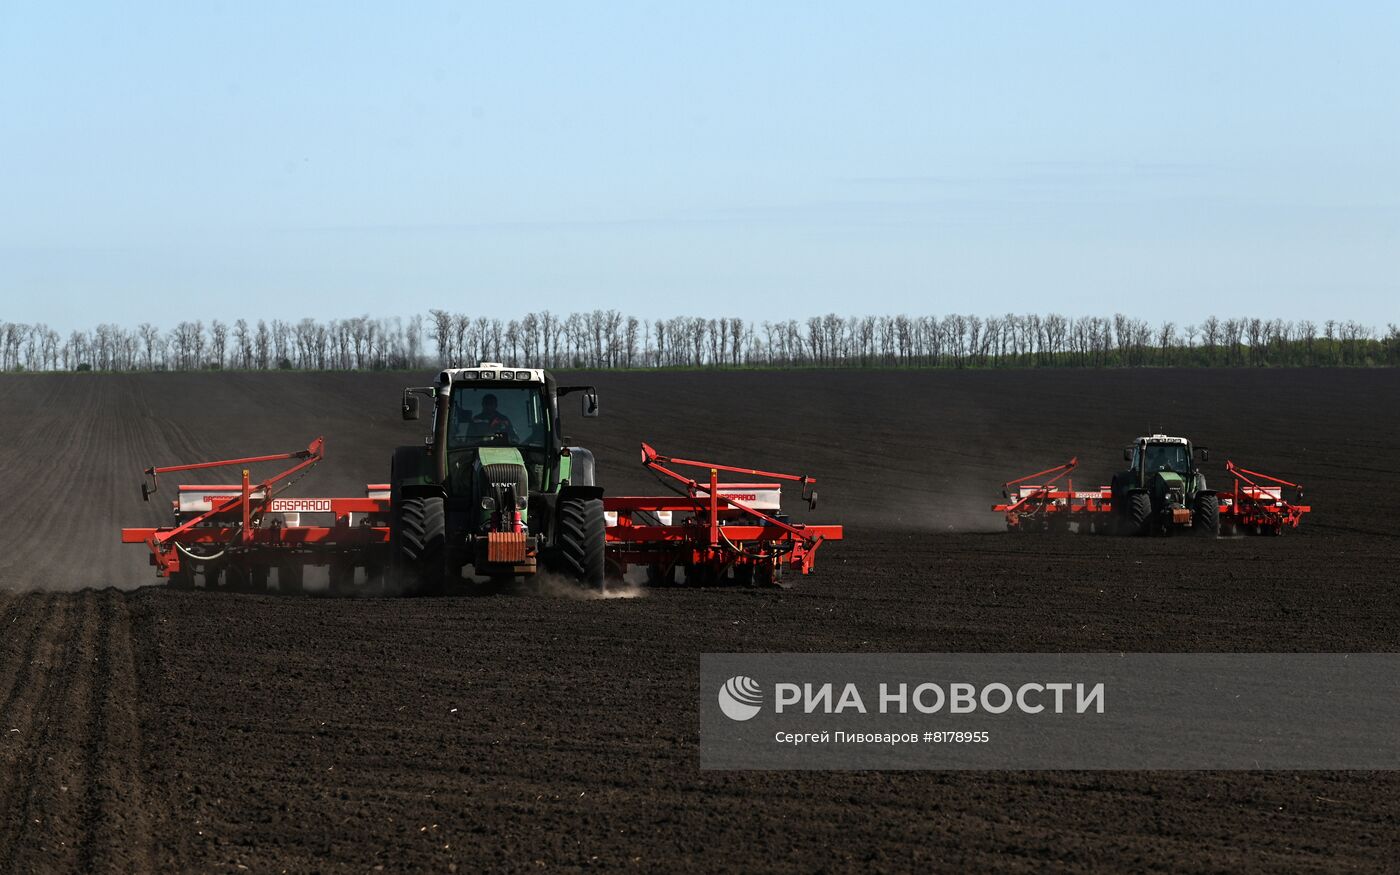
column 1260, row 508
column 245, row 529
column 1050, row 504
column 712, row 529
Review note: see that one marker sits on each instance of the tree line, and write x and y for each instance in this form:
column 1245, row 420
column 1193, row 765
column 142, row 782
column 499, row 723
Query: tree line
column 610, row 339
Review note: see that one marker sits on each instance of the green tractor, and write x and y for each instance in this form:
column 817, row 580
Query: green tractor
column 494, row 487
column 1163, row 491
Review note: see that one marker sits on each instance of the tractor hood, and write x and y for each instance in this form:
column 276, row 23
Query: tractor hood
column 1165, row 483
column 499, row 456
column 1171, row 479
column 500, row 475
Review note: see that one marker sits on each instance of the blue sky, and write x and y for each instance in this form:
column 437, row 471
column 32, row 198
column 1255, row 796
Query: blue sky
column 167, row 161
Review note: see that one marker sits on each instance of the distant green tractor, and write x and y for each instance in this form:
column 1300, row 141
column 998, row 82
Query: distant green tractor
column 494, row 487
column 1163, row 491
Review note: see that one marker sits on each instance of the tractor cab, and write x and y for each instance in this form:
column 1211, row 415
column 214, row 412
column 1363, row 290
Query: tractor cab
column 494, row 420
column 497, row 415
column 1160, row 454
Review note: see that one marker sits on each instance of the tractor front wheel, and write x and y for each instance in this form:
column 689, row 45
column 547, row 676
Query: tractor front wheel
column 1139, row 519
column 417, row 536
column 580, row 535
column 1205, row 517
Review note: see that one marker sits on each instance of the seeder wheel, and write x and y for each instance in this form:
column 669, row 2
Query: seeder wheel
column 374, row 576
column 342, row 578
column 658, row 575
column 182, row 579
column 236, row 579
column 291, row 578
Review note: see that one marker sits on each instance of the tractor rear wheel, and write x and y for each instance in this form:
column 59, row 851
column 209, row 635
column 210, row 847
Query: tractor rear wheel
column 579, row 541
column 417, row 536
column 1205, row 516
column 1139, row 513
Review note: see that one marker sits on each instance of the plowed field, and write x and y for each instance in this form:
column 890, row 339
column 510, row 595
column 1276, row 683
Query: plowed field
column 148, row 729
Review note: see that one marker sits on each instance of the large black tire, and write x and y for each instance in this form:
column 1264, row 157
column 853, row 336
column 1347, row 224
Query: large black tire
column 1205, row 516
column 1139, row 518
column 417, row 537
column 579, row 541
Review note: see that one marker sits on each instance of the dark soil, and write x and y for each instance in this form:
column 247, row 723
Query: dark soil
column 143, row 728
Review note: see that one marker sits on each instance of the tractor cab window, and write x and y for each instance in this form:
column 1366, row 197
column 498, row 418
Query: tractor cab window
column 499, row 416
column 1167, row 457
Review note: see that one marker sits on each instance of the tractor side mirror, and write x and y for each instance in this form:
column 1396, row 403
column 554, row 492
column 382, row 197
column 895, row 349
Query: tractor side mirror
column 590, row 404
column 410, row 407
column 1127, row 454
column 1204, row 453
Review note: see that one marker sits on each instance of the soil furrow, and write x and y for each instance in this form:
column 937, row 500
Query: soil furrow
column 118, row 828
column 36, row 721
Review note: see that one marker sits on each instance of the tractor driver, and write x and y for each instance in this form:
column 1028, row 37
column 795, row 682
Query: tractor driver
column 1167, row 457
column 491, row 416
